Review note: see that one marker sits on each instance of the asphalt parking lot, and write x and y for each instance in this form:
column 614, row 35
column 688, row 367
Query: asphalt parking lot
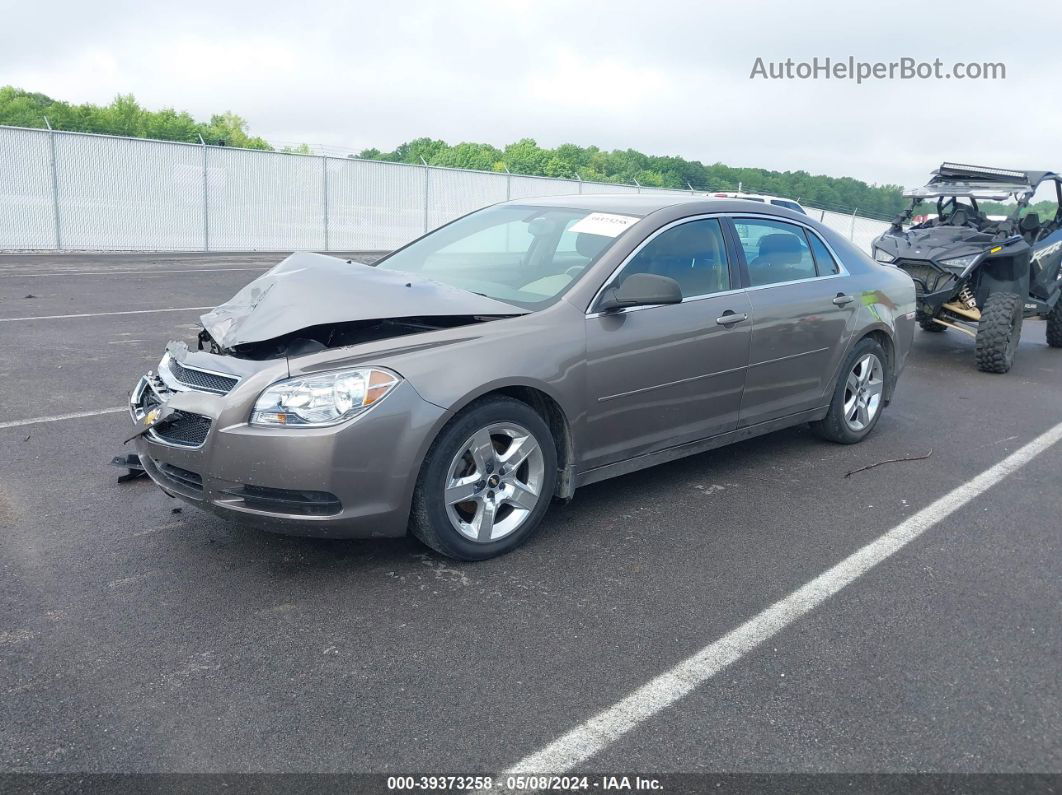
column 134, row 638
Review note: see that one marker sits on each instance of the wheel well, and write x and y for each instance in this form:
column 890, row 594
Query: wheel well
column 886, row 343
column 555, row 418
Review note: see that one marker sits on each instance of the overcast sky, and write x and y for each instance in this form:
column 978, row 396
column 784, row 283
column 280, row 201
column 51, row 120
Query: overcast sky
column 664, row 78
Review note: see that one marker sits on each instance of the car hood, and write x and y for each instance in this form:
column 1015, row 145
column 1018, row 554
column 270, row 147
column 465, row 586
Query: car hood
column 942, row 242
column 308, row 289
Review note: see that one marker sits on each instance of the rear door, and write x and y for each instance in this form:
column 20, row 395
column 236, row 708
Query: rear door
column 661, row 376
column 804, row 310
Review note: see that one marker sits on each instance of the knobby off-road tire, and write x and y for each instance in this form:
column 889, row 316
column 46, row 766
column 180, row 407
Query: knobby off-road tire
column 1054, row 326
column 858, row 396
column 486, row 482
column 998, row 332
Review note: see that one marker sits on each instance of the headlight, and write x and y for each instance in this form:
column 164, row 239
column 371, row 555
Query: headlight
column 881, row 255
column 959, row 263
column 316, row 401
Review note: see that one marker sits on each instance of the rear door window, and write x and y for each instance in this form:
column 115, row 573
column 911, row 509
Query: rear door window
column 775, row 251
column 824, row 260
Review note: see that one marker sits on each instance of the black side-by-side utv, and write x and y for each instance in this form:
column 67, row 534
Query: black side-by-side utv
column 977, row 275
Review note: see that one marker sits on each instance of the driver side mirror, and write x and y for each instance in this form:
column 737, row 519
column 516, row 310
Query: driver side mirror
column 641, row 289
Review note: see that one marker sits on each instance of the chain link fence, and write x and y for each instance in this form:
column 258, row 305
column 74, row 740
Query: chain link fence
column 80, row 191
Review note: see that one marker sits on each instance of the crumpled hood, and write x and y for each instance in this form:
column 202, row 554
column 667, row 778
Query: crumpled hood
column 941, row 242
column 308, row 289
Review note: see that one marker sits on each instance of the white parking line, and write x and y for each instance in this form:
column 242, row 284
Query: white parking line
column 609, row 725
column 126, row 273
column 105, row 314
column 72, row 416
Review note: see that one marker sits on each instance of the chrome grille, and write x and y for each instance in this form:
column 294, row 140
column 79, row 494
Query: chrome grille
column 201, row 379
column 184, row 429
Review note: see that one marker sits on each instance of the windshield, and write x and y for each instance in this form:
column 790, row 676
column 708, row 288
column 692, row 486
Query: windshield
column 523, row 255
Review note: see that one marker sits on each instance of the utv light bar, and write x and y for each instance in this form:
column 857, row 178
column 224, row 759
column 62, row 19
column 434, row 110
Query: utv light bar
column 961, row 170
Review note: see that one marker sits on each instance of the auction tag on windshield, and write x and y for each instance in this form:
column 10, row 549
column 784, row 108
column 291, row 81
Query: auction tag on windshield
column 605, row 224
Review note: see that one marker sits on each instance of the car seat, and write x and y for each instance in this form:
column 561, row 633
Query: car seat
column 588, row 245
column 781, row 259
column 1030, row 227
column 693, row 256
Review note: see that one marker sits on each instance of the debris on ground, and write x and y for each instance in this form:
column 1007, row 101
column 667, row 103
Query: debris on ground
column 890, row 461
column 130, row 463
column 30, row 295
column 175, row 510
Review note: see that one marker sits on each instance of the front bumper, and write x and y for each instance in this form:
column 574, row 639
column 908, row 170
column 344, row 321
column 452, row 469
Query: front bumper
column 353, row 480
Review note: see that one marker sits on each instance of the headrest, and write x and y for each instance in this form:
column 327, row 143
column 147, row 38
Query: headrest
column 1030, row 222
column 688, row 241
column 590, row 245
column 780, row 243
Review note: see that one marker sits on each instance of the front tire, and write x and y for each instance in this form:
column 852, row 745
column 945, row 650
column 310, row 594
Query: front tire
column 858, row 398
column 486, row 482
column 1054, row 326
column 998, row 332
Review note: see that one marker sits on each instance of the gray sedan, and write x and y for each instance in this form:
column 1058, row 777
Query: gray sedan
column 459, row 385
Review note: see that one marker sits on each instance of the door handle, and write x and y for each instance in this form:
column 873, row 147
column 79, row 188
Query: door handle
column 842, row 299
column 729, row 318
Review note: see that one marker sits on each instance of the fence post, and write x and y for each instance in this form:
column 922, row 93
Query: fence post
column 580, row 181
column 427, row 187
column 55, row 183
column 851, row 230
column 508, row 184
column 206, row 198
column 636, row 182
column 324, row 193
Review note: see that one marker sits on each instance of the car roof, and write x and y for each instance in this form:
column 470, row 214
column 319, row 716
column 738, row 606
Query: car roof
column 642, row 204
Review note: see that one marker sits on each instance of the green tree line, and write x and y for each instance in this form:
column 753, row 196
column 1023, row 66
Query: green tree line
column 124, row 116
column 629, row 166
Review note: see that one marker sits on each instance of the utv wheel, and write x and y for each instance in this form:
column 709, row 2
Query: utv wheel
column 998, row 332
column 927, row 323
column 858, row 397
column 1054, row 326
column 486, row 481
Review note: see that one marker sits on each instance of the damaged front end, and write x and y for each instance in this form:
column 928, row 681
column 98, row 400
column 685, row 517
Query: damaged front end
column 214, row 426
column 312, row 302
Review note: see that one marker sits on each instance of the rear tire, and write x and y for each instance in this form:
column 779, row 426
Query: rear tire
column 998, row 332
column 486, row 482
column 1054, row 326
column 858, row 397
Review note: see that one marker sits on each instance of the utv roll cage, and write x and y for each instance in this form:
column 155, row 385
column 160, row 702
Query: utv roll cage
column 978, row 275
column 953, row 181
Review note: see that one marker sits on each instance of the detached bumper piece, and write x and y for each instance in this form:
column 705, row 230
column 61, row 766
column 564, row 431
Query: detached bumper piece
column 130, row 463
column 287, row 501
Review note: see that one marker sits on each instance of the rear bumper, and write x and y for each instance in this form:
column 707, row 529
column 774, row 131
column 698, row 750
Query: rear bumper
column 351, row 481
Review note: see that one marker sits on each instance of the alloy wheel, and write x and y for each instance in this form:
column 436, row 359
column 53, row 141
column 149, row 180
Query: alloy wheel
column 862, row 392
column 494, row 482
